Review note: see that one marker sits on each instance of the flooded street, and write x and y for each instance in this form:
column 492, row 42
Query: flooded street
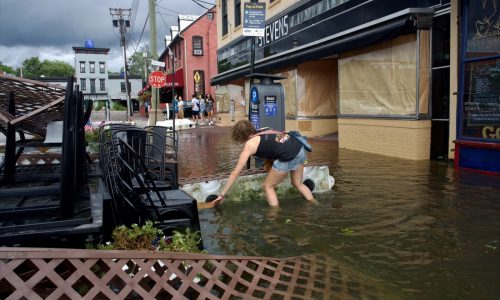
column 416, row 229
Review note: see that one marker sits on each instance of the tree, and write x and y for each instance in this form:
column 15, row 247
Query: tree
column 33, row 68
column 7, row 69
column 136, row 62
column 56, row 68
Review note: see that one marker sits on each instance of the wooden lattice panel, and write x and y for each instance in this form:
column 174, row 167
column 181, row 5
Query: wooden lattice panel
column 100, row 274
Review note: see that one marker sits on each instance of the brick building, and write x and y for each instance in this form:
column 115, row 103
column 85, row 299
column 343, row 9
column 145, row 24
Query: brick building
column 193, row 45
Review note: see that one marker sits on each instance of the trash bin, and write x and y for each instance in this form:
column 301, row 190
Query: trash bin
column 135, row 105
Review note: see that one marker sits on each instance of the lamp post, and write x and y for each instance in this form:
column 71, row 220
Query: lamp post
column 174, row 105
column 145, row 55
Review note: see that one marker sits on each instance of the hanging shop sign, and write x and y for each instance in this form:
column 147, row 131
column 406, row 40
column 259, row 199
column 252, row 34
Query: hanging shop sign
column 199, row 82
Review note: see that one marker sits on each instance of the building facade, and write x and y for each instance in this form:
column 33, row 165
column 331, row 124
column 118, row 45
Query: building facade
column 477, row 85
column 91, row 71
column 385, row 75
column 193, row 45
column 117, row 90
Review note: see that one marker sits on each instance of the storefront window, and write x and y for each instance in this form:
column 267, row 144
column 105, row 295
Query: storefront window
column 481, row 102
column 483, row 29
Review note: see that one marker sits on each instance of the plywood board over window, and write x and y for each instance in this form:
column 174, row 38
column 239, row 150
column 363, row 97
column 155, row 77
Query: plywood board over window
column 289, row 86
column 317, row 88
column 381, row 79
column 424, row 71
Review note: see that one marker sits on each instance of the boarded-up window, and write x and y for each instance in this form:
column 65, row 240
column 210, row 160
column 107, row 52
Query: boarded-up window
column 380, row 79
column 317, row 88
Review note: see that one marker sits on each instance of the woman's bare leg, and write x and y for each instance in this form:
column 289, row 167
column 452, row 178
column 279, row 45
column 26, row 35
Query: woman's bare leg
column 273, row 179
column 296, row 178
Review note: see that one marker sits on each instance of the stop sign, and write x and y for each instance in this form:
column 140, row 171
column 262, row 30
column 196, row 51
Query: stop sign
column 157, row 79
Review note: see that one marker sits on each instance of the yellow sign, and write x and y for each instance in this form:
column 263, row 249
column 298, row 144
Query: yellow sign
column 197, row 77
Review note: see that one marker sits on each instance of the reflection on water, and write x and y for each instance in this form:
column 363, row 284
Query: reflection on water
column 419, row 228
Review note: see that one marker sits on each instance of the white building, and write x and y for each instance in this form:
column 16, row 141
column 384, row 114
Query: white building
column 116, row 87
column 91, row 71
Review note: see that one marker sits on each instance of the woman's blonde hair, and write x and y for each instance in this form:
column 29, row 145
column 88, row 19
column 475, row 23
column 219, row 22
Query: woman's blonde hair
column 242, row 130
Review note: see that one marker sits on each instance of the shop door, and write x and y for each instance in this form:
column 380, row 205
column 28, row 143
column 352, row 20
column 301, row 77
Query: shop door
column 440, row 87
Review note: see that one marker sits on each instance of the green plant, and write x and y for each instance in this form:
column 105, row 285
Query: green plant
column 144, row 96
column 185, row 242
column 92, row 136
column 137, row 237
column 148, row 237
column 92, row 139
column 118, row 106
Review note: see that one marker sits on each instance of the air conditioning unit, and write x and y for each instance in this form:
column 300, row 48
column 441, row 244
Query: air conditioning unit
column 198, row 52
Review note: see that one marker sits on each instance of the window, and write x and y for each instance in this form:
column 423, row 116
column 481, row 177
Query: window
column 224, row 17
column 237, row 13
column 82, row 67
column 479, row 103
column 83, row 83
column 102, row 67
column 122, row 84
column 92, row 67
column 102, row 84
column 197, row 45
column 92, row 85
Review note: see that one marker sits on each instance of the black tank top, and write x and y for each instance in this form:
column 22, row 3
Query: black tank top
column 279, row 146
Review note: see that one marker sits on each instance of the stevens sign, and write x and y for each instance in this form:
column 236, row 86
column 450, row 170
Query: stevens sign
column 274, row 31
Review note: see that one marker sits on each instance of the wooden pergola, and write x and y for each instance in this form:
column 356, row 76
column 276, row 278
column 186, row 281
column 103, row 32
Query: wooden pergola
column 29, row 105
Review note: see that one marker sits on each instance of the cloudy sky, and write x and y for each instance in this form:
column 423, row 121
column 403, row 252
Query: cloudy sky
column 50, row 28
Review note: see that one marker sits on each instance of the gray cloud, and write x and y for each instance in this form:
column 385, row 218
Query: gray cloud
column 49, row 28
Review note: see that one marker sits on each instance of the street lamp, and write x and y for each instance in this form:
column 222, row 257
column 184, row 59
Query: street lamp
column 174, row 105
column 145, row 55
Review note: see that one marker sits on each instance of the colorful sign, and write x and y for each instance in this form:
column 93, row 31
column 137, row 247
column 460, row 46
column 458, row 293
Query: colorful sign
column 254, row 19
column 270, row 105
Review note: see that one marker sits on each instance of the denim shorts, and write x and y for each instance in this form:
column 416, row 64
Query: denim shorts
column 291, row 165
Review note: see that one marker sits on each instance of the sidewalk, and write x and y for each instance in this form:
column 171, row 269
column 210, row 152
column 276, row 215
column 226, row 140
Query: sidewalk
column 98, row 117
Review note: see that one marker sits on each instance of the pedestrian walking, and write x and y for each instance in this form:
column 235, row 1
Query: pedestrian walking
column 175, row 104
column 180, row 104
column 195, row 108
column 210, row 108
column 203, row 109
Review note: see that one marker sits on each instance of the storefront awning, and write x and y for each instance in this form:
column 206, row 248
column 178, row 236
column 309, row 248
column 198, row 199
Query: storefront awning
column 177, row 80
column 170, row 78
column 375, row 32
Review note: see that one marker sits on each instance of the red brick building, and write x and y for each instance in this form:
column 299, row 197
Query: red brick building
column 193, row 43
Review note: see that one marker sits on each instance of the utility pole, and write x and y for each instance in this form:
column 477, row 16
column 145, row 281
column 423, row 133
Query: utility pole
column 154, row 55
column 121, row 20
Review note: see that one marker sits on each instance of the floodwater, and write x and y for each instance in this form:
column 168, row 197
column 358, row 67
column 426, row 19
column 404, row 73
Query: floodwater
column 413, row 229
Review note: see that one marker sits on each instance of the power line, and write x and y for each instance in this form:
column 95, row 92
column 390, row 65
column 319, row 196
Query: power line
column 213, row 4
column 198, row 3
column 121, row 20
column 171, row 10
column 140, row 37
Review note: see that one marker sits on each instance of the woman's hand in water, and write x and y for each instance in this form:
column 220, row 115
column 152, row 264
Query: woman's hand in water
column 218, row 200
